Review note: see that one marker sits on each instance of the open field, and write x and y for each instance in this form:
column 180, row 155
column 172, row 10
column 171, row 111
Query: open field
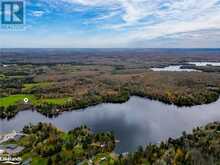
column 19, row 99
column 15, row 99
column 59, row 80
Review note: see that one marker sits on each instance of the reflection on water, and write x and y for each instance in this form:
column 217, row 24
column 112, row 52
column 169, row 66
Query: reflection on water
column 205, row 63
column 137, row 122
column 174, row 68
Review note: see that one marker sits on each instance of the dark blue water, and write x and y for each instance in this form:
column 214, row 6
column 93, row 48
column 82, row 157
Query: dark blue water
column 137, row 122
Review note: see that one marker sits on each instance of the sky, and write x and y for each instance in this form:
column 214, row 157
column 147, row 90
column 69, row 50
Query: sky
column 117, row 24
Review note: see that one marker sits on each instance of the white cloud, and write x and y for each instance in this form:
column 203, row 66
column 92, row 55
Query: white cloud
column 38, row 13
column 169, row 16
column 110, row 15
column 135, row 11
column 146, row 20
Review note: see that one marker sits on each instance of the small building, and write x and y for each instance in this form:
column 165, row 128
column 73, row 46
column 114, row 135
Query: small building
column 10, row 136
column 11, row 149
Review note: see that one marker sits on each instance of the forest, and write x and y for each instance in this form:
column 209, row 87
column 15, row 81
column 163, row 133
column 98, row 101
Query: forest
column 47, row 145
column 62, row 80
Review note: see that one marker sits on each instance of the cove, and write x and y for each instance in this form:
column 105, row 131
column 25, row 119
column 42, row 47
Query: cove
column 139, row 121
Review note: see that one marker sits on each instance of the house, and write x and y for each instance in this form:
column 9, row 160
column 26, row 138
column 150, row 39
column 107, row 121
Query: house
column 10, row 136
column 11, row 149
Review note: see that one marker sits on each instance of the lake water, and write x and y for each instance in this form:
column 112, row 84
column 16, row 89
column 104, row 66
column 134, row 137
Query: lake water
column 174, row 68
column 137, row 122
column 205, row 63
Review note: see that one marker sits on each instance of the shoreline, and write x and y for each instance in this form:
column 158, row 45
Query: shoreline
column 55, row 112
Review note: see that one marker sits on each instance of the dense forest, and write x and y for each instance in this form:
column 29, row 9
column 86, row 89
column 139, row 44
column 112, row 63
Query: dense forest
column 200, row 148
column 54, row 81
column 63, row 80
column 47, row 145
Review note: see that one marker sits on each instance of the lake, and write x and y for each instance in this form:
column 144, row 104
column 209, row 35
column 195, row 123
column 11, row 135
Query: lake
column 139, row 121
column 174, row 68
column 205, row 63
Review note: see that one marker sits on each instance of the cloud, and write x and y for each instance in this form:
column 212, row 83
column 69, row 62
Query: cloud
column 108, row 16
column 132, row 10
column 135, row 11
column 121, row 23
column 38, row 13
column 169, row 17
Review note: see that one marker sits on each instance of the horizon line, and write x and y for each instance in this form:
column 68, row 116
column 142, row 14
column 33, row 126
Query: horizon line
column 109, row 48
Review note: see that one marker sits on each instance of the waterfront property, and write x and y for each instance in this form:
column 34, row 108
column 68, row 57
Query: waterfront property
column 10, row 149
column 10, row 136
column 137, row 122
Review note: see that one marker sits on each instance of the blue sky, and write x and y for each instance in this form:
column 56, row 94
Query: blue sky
column 118, row 24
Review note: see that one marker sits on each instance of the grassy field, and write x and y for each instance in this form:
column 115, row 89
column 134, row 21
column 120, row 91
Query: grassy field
column 19, row 98
column 30, row 86
column 15, row 99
